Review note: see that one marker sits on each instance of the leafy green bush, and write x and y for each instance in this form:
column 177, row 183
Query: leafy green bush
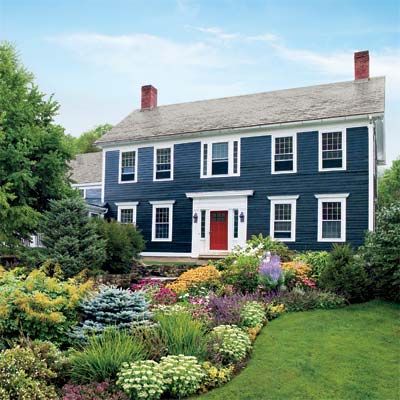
column 104, row 355
column 38, row 306
column 381, row 253
column 182, row 334
column 317, row 259
column 24, row 376
column 182, row 375
column 93, row 391
column 120, row 308
column 299, row 300
column 345, row 274
column 142, row 379
column 123, row 243
column 231, row 343
column 253, row 314
column 70, row 237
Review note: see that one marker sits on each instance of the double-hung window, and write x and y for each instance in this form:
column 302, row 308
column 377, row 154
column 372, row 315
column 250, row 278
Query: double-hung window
column 127, row 212
column 332, row 217
column 162, row 221
column 128, row 166
column 284, row 154
column 220, row 158
column 283, row 218
column 332, row 150
column 163, row 163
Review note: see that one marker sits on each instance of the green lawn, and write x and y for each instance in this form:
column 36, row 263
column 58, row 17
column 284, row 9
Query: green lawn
column 346, row 354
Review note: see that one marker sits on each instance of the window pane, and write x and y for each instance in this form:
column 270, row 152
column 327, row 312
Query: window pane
column 283, row 221
column 332, row 153
column 283, row 212
column 331, row 219
column 162, row 223
column 163, row 163
column 128, row 160
column 235, row 224
column 127, row 216
column 220, row 158
column 203, row 224
column 331, row 229
column 284, row 153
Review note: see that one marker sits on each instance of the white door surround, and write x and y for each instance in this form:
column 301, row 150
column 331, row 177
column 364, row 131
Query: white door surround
column 218, row 201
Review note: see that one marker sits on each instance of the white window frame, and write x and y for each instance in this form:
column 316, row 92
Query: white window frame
column 344, row 149
column 292, row 200
column 171, row 147
column 132, row 205
column 280, row 135
column 162, row 204
column 209, row 144
column 337, row 198
column 127, row 150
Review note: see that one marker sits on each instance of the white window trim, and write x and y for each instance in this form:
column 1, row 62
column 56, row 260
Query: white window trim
column 339, row 198
column 160, row 146
column 291, row 199
column 279, row 135
column 132, row 205
column 209, row 144
column 126, row 150
column 162, row 204
column 344, row 149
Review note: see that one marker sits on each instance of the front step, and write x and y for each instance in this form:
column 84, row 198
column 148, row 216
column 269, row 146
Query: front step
column 214, row 256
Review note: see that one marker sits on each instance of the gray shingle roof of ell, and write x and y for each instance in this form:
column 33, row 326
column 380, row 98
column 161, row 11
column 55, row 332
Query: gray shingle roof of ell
column 342, row 99
column 86, row 168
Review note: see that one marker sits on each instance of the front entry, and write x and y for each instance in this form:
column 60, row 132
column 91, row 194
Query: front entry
column 218, row 230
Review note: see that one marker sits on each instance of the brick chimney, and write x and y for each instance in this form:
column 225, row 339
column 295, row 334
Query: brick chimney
column 149, row 97
column 361, row 65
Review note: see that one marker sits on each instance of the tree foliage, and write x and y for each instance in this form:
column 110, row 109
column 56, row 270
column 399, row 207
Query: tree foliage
column 33, row 150
column 389, row 185
column 85, row 142
column 70, row 237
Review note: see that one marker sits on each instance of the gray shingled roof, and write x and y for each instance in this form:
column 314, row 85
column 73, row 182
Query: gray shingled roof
column 86, row 168
column 366, row 96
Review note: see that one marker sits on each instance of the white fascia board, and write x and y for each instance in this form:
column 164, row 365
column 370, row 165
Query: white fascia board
column 162, row 202
column 332, row 196
column 289, row 197
column 228, row 193
column 127, row 204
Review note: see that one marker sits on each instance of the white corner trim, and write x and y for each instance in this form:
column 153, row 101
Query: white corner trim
column 344, row 148
column 371, row 174
column 228, row 193
column 289, row 197
column 278, row 135
column 292, row 200
column 103, row 175
column 127, row 204
column 157, row 147
column 340, row 198
column 126, row 150
column 162, row 202
column 332, row 196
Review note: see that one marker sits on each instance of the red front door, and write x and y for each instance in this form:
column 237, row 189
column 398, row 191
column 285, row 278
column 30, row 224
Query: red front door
column 219, row 230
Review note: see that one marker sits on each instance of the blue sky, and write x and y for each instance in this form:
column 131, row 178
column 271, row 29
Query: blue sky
column 95, row 55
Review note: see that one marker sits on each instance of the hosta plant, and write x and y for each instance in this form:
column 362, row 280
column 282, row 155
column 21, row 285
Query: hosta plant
column 253, row 314
column 231, row 343
column 182, row 375
column 142, row 380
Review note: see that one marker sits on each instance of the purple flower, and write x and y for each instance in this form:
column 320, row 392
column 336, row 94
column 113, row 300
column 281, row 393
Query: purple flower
column 271, row 267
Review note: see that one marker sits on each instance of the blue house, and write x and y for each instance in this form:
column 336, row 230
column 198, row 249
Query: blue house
column 200, row 178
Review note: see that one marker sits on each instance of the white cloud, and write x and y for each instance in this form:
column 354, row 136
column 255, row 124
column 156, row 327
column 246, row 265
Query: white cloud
column 216, row 32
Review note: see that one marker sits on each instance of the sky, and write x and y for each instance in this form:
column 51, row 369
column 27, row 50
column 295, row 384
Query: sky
column 94, row 55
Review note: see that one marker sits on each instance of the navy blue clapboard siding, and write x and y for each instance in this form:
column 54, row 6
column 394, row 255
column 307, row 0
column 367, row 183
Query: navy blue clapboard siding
column 255, row 175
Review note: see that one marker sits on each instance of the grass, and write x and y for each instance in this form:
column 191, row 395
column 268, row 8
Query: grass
column 351, row 353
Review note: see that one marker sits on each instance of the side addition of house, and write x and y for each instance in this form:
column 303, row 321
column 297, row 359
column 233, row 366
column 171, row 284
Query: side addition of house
column 200, row 178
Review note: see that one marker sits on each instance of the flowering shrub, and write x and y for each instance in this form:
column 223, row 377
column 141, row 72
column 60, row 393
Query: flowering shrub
column 148, row 286
column 215, row 375
column 253, row 332
column 38, row 306
column 274, row 311
column 92, row 391
column 164, row 295
column 120, row 308
column 253, row 314
column 270, row 272
column 232, row 344
column 318, row 260
column 301, row 273
column 142, row 379
column 24, row 376
column 201, row 276
column 182, row 375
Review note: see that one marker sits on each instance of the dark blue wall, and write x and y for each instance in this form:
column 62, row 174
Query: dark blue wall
column 256, row 175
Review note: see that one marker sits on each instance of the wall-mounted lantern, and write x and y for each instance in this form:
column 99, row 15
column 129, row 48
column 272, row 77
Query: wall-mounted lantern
column 241, row 216
column 195, row 218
